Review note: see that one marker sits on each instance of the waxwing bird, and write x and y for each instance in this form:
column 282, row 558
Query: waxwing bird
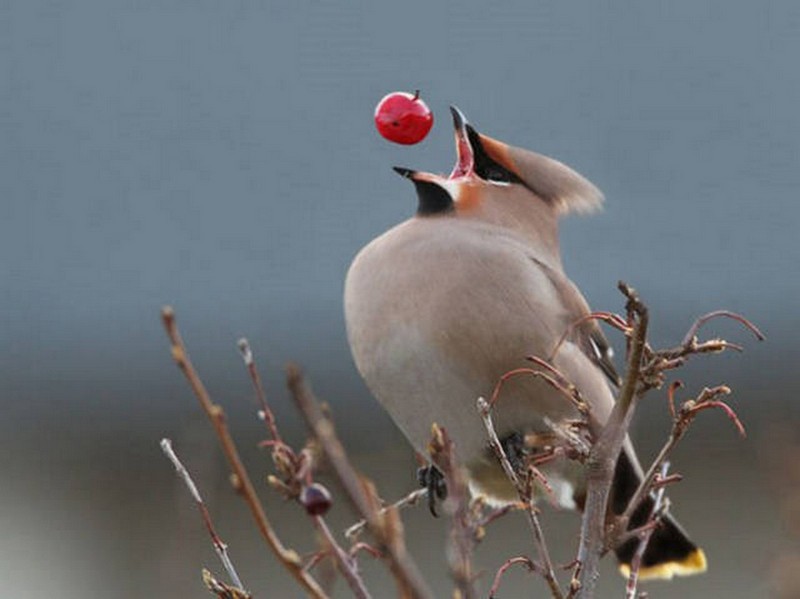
column 441, row 306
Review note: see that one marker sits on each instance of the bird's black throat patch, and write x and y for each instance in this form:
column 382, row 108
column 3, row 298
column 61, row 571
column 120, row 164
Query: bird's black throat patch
column 433, row 199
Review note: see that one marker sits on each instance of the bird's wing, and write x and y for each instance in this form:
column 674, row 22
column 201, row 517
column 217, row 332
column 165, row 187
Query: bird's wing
column 584, row 332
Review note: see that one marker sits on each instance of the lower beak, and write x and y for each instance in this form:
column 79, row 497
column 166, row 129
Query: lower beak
column 419, row 175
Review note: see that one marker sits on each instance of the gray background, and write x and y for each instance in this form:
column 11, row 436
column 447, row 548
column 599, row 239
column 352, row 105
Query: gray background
column 221, row 157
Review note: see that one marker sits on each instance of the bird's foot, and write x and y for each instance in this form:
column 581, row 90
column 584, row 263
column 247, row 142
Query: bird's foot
column 430, row 478
column 516, row 450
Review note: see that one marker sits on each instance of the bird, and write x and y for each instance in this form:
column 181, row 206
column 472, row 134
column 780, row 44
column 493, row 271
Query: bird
column 442, row 305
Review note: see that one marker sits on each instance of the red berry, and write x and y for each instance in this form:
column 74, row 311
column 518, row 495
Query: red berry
column 403, row 118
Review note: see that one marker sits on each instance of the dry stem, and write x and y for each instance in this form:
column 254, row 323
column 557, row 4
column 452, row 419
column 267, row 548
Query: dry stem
column 385, row 527
column 680, row 425
column 347, row 564
column 297, row 471
column 546, row 567
column 603, row 455
column 462, row 532
column 289, row 558
column 409, row 500
column 522, row 560
column 266, row 413
column 219, row 546
column 655, row 516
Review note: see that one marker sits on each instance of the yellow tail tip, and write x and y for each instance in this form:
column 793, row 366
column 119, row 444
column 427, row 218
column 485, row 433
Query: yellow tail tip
column 694, row 563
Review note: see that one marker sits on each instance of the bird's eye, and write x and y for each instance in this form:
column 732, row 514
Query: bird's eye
column 486, row 167
column 498, row 175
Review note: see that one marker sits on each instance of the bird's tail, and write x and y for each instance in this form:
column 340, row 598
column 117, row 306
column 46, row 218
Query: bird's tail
column 669, row 552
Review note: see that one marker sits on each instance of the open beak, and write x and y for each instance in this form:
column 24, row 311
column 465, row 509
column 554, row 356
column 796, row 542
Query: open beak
column 465, row 156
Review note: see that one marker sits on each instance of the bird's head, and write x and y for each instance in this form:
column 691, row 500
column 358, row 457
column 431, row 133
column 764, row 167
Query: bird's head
column 493, row 181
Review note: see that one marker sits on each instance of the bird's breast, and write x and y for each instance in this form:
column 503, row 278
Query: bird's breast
column 436, row 315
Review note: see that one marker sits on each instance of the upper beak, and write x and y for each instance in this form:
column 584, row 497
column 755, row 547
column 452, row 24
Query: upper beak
column 465, row 156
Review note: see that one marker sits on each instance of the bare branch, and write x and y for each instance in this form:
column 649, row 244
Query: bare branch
column 603, row 456
column 266, row 413
column 684, row 416
column 655, row 517
column 409, row 500
column 556, row 380
column 366, row 548
column 345, row 561
column 462, row 534
column 533, row 518
column 219, row 546
column 608, row 317
column 522, row 560
column 722, row 313
column 289, row 558
column 384, row 526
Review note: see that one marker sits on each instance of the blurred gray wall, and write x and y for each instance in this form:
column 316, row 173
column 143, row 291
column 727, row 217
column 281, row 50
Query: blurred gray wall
column 221, row 157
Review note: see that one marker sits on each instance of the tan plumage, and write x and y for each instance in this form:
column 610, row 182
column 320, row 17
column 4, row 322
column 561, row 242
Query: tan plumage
column 441, row 306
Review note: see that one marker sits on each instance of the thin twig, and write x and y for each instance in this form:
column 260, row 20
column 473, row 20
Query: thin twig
column 680, row 425
column 382, row 526
column 266, row 413
column 655, row 516
column 348, row 566
column 288, row 557
column 366, row 548
column 609, row 317
column 219, row 546
column 462, row 534
column 722, row 313
column 557, row 381
column 409, row 500
column 222, row 590
column 494, row 514
column 533, row 518
column 522, row 560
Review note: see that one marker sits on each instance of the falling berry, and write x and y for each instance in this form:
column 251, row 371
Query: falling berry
column 403, row 118
column 316, row 499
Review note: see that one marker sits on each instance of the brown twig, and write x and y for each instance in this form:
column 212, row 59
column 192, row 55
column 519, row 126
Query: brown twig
column 287, row 557
column 297, row 471
column 524, row 494
column 487, row 517
column 522, row 560
column 656, row 363
column 608, row 317
column 348, row 567
column 683, row 417
column 219, row 546
column 266, row 413
column 645, row 371
column 366, row 548
column 409, row 500
column 605, row 451
column 654, row 518
column 384, row 526
column 556, row 380
column 462, row 532
column 726, row 314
